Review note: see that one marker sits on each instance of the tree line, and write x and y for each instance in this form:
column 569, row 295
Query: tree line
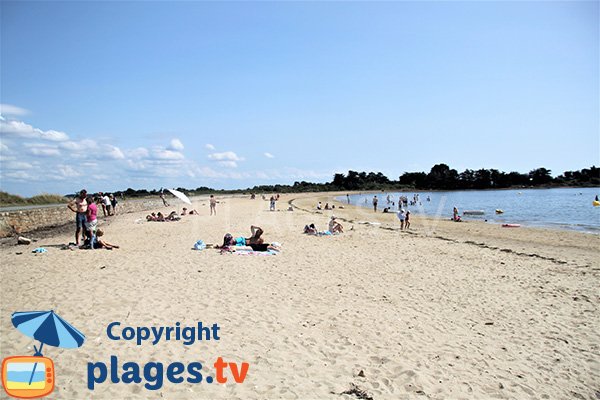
column 440, row 177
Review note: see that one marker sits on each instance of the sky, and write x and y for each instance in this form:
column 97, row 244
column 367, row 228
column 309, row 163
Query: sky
column 112, row 95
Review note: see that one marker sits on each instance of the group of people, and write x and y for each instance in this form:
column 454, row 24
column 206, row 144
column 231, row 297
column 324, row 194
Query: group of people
column 327, row 207
column 85, row 208
column 255, row 241
column 334, row 228
column 173, row 216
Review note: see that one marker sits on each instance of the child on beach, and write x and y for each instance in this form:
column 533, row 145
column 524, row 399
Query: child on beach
column 407, row 220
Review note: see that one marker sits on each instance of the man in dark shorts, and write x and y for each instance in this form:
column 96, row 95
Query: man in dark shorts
column 79, row 206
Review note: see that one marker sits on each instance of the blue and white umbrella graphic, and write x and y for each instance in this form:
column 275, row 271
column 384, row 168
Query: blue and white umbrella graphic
column 48, row 328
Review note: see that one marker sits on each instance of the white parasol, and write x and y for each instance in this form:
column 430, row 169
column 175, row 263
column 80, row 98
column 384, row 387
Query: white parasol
column 180, row 196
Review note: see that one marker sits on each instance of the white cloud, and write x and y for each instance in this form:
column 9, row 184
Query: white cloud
column 269, row 155
column 139, row 152
column 228, row 164
column 162, row 154
column 68, row 171
column 225, row 156
column 114, row 152
column 8, row 109
column 209, row 146
column 176, row 145
column 21, row 129
column 17, row 165
column 19, row 175
column 43, row 150
column 81, row 145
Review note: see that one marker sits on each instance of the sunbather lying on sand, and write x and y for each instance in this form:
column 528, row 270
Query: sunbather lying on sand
column 255, row 241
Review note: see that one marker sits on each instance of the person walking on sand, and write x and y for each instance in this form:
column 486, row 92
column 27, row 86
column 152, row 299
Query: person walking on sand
column 407, row 219
column 272, row 204
column 162, row 197
column 79, row 206
column 375, row 200
column 213, row 205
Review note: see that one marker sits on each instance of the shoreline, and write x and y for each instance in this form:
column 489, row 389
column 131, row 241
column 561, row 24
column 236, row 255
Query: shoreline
column 553, row 226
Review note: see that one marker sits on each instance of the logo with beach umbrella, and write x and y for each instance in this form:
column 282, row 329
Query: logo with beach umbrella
column 28, row 377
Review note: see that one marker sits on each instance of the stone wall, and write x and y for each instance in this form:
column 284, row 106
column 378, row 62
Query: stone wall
column 28, row 220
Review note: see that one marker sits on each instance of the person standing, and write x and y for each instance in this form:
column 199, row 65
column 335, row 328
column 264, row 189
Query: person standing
column 375, row 201
column 402, row 217
column 113, row 203
column 407, row 219
column 213, row 205
column 91, row 221
column 272, row 203
column 106, row 202
column 348, row 198
column 102, row 203
column 79, row 206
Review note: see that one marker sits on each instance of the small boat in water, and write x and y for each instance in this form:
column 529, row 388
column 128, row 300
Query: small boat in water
column 499, row 211
column 473, row 212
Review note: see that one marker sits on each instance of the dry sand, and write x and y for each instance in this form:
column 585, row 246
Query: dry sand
column 446, row 311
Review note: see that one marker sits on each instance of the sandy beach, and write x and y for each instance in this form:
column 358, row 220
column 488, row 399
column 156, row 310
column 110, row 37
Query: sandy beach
column 444, row 311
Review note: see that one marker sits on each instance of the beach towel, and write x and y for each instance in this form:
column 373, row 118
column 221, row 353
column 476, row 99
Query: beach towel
column 245, row 252
column 39, row 250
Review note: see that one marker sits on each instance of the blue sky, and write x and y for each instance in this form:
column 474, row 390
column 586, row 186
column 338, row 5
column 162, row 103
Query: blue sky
column 111, row 95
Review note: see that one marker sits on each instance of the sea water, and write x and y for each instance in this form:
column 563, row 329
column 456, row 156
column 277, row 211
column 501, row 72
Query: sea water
column 561, row 208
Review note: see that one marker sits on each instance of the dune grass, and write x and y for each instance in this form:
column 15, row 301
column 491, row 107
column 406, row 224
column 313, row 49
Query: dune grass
column 7, row 199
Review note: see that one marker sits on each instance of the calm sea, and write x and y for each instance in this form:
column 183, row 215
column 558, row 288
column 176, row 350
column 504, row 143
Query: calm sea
column 553, row 208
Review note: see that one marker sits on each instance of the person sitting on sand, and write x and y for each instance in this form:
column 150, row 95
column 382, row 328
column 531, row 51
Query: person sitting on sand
column 334, row 226
column 455, row 216
column 310, row 229
column 318, row 205
column 327, row 206
column 160, row 217
column 99, row 243
column 191, row 212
